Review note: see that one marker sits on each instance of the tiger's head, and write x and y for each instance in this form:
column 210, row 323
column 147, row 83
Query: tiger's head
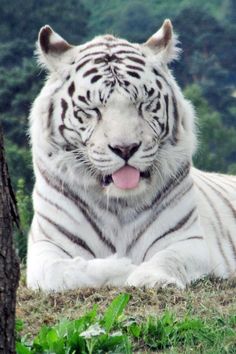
column 112, row 112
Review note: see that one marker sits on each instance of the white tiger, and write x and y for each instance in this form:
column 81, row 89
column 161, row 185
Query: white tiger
column 116, row 201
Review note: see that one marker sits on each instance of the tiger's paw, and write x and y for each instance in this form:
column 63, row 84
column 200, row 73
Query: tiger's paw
column 149, row 276
column 111, row 271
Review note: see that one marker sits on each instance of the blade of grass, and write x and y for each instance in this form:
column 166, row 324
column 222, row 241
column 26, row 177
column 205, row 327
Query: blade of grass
column 114, row 311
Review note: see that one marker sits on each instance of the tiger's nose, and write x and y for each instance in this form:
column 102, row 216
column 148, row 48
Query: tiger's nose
column 125, row 151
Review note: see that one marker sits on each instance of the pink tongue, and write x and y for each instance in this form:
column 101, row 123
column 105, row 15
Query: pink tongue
column 126, row 177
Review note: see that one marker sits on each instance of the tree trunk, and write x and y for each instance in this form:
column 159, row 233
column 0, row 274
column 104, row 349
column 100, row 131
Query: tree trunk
column 9, row 264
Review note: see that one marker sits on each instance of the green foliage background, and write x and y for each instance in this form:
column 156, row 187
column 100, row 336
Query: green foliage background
column 206, row 71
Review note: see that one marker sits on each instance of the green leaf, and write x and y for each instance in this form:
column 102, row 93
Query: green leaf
column 127, row 345
column 115, row 310
column 52, row 336
column 135, row 329
column 22, row 349
column 19, row 325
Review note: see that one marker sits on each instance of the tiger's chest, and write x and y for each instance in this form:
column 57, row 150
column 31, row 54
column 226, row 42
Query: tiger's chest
column 138, row 232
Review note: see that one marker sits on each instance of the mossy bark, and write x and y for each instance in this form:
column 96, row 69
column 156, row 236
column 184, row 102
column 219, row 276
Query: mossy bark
column 9, row 264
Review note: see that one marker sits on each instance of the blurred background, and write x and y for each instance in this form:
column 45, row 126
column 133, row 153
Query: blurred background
column 206, row 71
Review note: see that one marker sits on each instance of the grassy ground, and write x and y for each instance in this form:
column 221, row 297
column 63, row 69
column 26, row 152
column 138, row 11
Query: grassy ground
column 208, row 300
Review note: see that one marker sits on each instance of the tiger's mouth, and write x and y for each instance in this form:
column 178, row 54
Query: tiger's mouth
column 126, row 177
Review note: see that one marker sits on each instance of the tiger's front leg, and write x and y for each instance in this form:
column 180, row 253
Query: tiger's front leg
column 50, row 269
column 176, row 265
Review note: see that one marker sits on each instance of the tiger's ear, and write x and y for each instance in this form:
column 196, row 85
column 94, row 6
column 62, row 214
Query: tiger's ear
column 51, row 48
column 164, row 43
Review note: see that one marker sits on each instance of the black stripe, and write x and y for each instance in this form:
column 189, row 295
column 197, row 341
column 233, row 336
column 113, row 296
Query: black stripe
column 148, row 148
column 71, row 89
column 191, row 223
column 61, row 129
column 55, row 205
column 92, row 54
column 61, row 187
column 83, row 99
column 157, row 108
column 82, row 64
column 192, row 238
column 158, row 210
column 158, row 74
column 227, row 203
column 50, row 240
column 90, row 71
column 163, row 78
column 108, row 45
column 166, row 98
column 133, row 67
column 95, row 78
column 175, row 109
column 171, row 184
column 161, row 125
column 136, row 60
column 173, row 229
column 128, row 52
column 230, row 183
column 232, row 244
column 218, row 220
column 218, row 185
column 97, row 111
column 64, row 106
column 176, row 120
column 102, row 60
column 211, row 203
column 219, row 194
column 133, row 74
column 159, row 84
column 74, row 238
column 88, row 95
column 151, row 92
column 150, row 155
column 153, row 126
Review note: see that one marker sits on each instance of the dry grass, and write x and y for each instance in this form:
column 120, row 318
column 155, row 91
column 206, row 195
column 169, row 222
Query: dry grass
column 205, row 299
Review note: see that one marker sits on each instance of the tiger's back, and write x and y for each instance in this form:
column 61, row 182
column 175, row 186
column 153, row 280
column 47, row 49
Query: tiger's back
column 216, row 197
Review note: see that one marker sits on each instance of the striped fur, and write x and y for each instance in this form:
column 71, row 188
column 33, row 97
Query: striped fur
column 177, row 225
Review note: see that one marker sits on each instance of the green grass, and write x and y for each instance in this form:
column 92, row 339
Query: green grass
column 114, row 331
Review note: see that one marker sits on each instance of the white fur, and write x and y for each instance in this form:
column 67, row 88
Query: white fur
column 200, row 247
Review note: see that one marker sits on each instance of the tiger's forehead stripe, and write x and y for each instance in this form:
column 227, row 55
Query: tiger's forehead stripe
column 137, row 60
column 134, row 67
column 82, row 64
column 105, row 57
column 107, row 44
column 92, row 54
column 90, row 71
column 105, row 52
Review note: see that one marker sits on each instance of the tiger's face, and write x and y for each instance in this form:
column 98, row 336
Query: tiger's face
column 113, row 107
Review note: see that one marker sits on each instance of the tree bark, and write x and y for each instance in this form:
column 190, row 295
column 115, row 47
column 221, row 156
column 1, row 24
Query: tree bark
column 9, row 264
